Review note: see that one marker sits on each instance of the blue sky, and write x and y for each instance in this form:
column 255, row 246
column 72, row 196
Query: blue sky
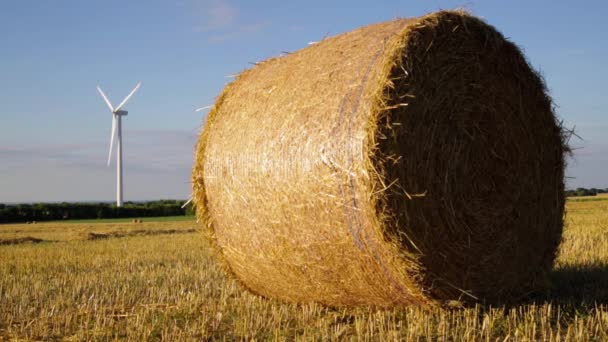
column 54, row 127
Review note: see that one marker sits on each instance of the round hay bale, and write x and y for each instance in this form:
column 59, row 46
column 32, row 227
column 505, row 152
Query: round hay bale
column 415, row 161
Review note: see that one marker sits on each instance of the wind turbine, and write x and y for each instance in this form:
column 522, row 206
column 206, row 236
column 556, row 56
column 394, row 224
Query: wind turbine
column 117, row 114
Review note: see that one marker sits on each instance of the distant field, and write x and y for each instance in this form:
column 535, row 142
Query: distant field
column 598, row 197
column 106, row 280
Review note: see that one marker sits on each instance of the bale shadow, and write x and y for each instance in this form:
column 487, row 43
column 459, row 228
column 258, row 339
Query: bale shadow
column 575, row 289
column 578, row 284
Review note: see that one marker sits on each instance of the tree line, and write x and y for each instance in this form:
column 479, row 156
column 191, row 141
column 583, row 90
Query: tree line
column 586, row 192
column 10, row 213
column 67, row 211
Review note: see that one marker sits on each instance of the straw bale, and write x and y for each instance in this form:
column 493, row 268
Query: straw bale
column 411, row 162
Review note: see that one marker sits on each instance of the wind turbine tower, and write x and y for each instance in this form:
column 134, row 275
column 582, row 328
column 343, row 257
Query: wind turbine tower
column 117, row 114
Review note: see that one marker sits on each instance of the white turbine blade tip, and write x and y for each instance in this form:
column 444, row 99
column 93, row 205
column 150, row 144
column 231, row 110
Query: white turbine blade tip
column 187, row 202
column 203, row 108
column 128, row 96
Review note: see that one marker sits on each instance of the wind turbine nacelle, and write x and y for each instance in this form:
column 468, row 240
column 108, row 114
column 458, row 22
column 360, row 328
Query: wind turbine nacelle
column 121, row 112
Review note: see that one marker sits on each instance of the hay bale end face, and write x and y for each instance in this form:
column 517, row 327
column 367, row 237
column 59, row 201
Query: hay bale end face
column 409, row 162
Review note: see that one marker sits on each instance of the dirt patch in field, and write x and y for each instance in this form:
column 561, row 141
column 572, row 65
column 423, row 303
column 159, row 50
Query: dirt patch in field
column 22, row 240
column 138, row 232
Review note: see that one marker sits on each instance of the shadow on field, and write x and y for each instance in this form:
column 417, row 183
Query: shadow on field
column 138, row 232
column 576, row 284
column 22, row 240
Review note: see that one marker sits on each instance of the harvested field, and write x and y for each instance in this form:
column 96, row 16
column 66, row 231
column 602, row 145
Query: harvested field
column 171, row 287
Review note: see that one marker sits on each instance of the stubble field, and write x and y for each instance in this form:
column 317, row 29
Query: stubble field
column 159, row 280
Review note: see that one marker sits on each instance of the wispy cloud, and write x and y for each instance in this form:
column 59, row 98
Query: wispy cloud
column 157, row 165
column 145, row 150
column 240, row 31
column 16, row 157
column 218, row 15
column 222, row 21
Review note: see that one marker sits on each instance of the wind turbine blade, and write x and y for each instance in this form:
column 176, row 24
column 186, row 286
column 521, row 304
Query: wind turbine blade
column 128, row 96
column 187, row 202
column 203, row 108
column 112, row 137
column 105, row 98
